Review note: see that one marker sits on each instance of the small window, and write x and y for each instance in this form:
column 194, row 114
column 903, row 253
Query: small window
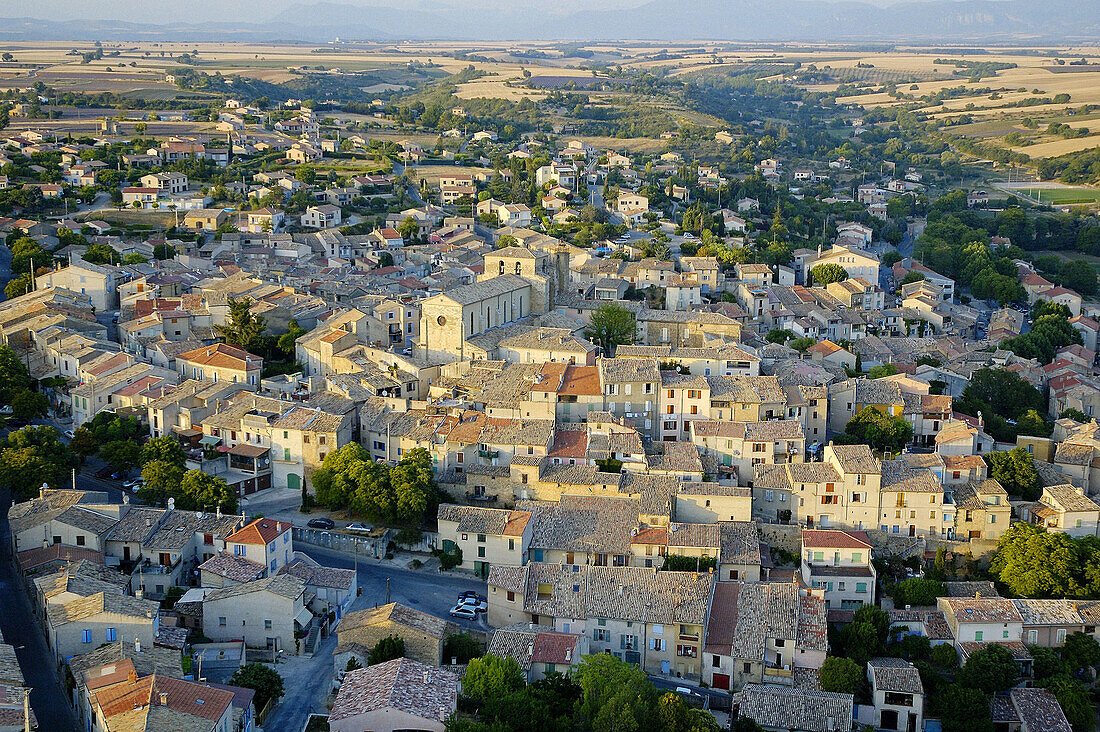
column 85, row 636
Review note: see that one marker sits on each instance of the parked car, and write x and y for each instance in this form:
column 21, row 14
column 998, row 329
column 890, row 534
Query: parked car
column 358, row 528
column 321, row 523
column 6, row 410
column 70, row 434
column 479, row 605
column 686, row 691
column 134, row 485
column 104, row 472
column 462, row 596
column 463, row 611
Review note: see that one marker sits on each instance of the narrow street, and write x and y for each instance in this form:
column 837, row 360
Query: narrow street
column 308, row 681
column 20, row 629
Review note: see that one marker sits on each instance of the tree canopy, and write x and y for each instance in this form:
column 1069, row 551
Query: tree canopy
column 1015, row 470
column 244, row 328
column 264, row 680
column 35, row 455
column 879, row 430
column 350, row 478
column 1033, row 562
column 824, row 274
column 612, row 325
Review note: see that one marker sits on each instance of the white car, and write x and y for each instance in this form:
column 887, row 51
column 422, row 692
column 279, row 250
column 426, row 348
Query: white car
column 686, row 691
column 69, row 434
column 358, row 528
column 134, row 485
column 6, row 410
column 464, row 611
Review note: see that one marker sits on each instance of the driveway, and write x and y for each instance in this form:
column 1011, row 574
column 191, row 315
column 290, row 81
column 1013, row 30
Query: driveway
column 20, row 629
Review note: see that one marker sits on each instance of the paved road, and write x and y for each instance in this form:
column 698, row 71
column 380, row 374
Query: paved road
column 308, row 681
column 433, row 593
column 666, row 684
column 21, row 630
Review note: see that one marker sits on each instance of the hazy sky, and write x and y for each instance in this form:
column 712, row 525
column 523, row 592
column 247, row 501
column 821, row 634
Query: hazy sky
column 257, row 11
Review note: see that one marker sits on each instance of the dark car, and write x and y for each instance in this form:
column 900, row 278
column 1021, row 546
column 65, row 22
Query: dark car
column 321, row 523
column 469, row 595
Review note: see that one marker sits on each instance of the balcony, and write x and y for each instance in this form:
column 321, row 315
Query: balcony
column 488, row 454
column 774, row 675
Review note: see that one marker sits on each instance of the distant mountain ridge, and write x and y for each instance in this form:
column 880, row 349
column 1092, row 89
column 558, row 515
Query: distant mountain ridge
column 1048, row 21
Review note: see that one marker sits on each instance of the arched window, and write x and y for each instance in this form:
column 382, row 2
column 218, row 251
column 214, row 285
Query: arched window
column 517, row 267
column 502, row 266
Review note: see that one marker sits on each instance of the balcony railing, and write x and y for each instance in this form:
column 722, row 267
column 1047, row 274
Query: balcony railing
column 491, row 454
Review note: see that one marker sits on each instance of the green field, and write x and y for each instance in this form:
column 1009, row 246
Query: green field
column 1061, row 196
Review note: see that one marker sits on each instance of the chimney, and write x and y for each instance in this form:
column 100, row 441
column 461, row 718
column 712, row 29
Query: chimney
column 137, row 645
column 279, row 526
column 978, row 595
column 164, row 698
column 139, row 593
column 132, row 677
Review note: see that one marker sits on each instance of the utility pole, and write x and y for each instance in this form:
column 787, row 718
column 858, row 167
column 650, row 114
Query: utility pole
column 387, row 590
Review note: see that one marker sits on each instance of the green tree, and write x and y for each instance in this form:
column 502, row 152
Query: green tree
column 491, row 677
column 614, row 695
column 1080, row 651
column 121, row 454
column 1033, row 423
column 612, row 326
column 911, row 277
column 1047, row 662
column 945, row 656
column 1079, row 275
column 287, row 340
column 841, row 675
column 778, row 335
column 879, row 372
column 990, row 669
column 162, row 479
column 865, row 637
column 408, row 228
column 202, row 491
column 14, row 377
column 100, row 254
column 1032, row 562
column 823, row 274
column 890, row 258
column 462, row 647
column 244, row 329
column 27, row 404
column 413, row 483
column 165, row 448
column 134, row 258
column 801, row 344
column 917, row 591
column 32, row 456
column 386, row 649
column 1015, row 470
column 1074, row 701
column 19, row 285
column 264, row 680
column 676, row 715
column 998, row 392
column 84, row 442
column 880, row 431
column 962, row 709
